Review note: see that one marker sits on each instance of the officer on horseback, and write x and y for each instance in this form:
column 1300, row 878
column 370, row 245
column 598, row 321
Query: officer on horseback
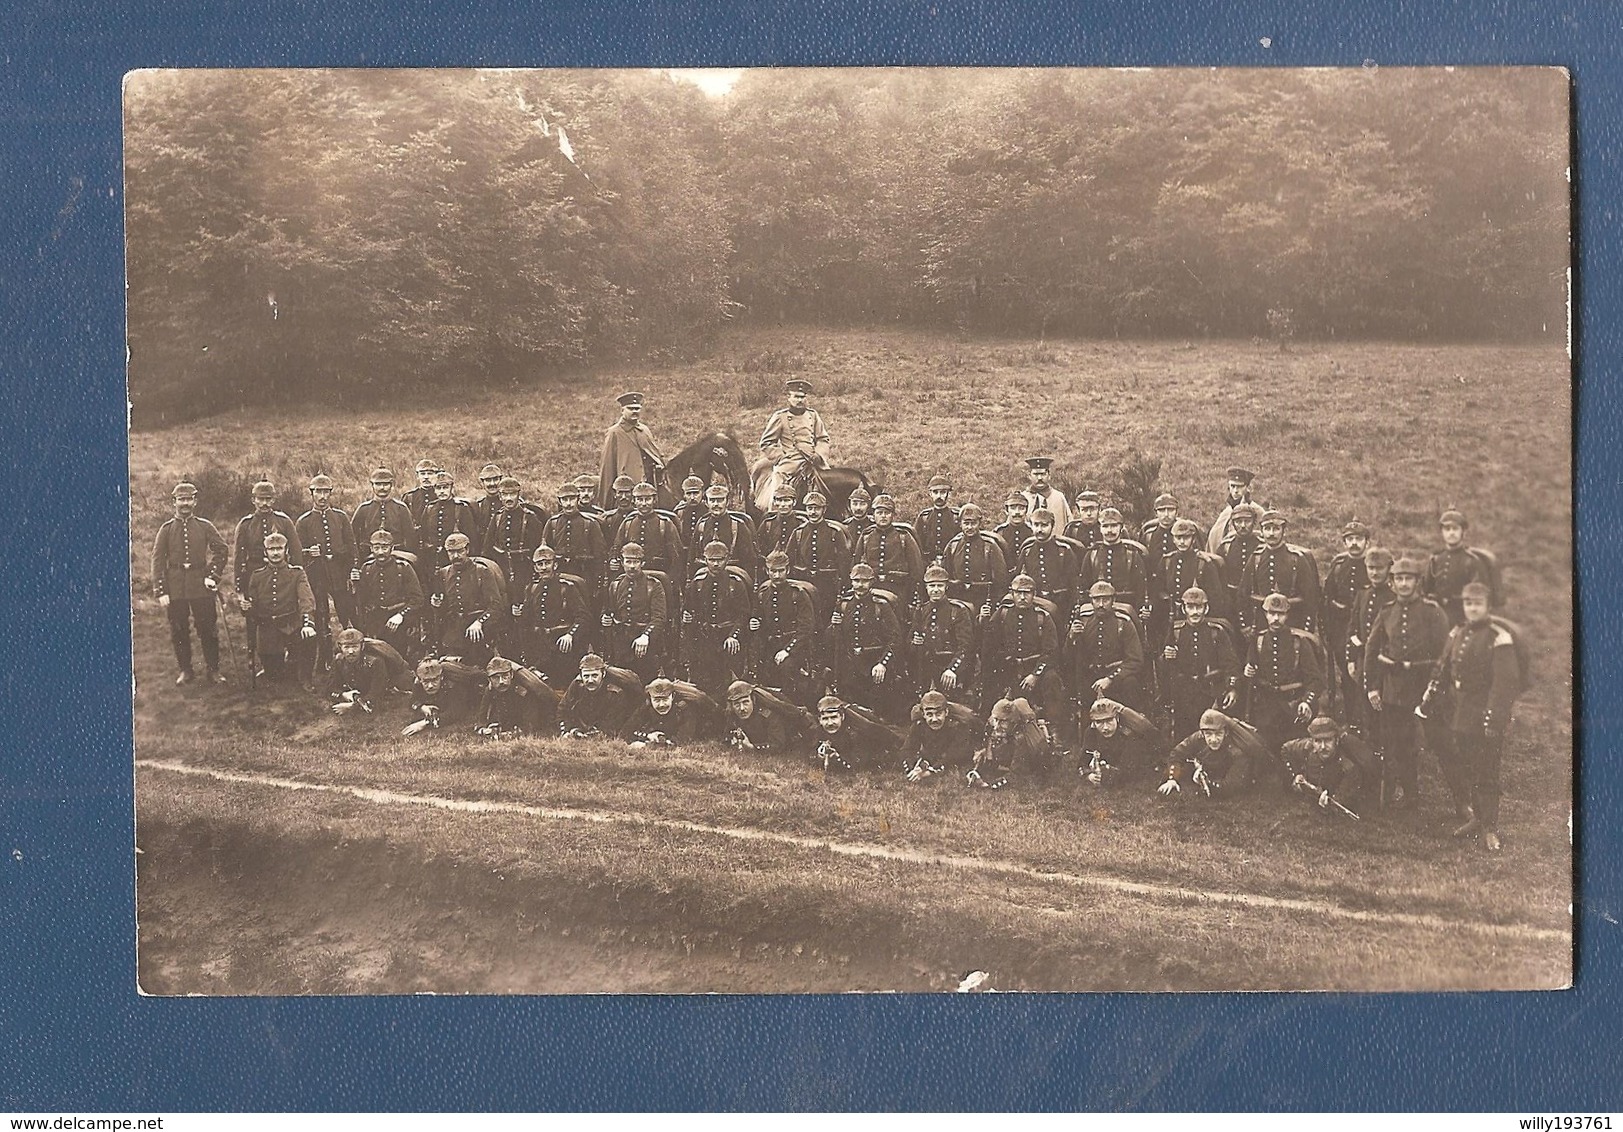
column 795, row 438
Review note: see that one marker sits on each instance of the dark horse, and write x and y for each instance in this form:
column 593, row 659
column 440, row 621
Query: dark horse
column 715, row 458
column 836, row 483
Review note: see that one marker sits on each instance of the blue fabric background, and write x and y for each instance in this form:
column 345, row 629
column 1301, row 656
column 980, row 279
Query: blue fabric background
column 73, row 1032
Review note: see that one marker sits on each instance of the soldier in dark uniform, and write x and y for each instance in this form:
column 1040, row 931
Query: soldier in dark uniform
column 554, row 620
column 419, row 497
column 938, row 522
column 1014, row 530
column 358, row 679
column 762, row 723
column 1332, row 766
column 280, row 607
column 446, row 515
column 781, row 630
column 437, row 700
column 939, row 743
column 715, row 620
column 388, row 596
column 1285, row 675
column 1452, row 568
column 777, row 529
column 1199, row 667
column 819, row 553
column 510, row 535
column 1156, row 534
column 1117, row 561
column 384, row 513
column 1221, row 760
column 329, row 561
column 1236, row 552
column 1366, row 608
column 688, row 513
column 619, row 506
column 594, row 705
column 943, row 639
column 976, row 564
column 1345, row 578
column 1020, row 652
column 1107, row 654
column 468, row 604
column 662, row 549
column 253, row 529
column 514, row 703
column 848, row 741
column 1400, row 657
column 586, row 487
column 1183, row 568
column 1016, row 743
column 490, row 478
column 187, row 561
column 891, row 551
column 1119, row 745
column 670, row 716
column 732, row 531
column 857, row 518
column 576, row 539
column 868, row 646
column 1084, row 529
column 1052, row 564
column 1276, row 567
column 1477, row 683
column 636, row 618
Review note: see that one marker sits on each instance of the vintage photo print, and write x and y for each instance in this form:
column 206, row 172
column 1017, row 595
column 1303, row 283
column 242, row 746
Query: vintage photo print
column 850, row 530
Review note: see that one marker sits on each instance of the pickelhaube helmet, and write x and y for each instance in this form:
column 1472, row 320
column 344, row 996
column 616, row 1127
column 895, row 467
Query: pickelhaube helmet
column 351, row 637
column 275, row 539
column 644, row 490
column 777, row 560
column 456, row 540
column 591, row 662
column 862, row 572
column 1323, row 727
column 936, row 573
column 1184, row 527
column 264, row 489
column 544, row 553
column 932, row 699
column 185, row 489
column 830, row 703
column 1213, row 720
column 1103, row 708
column 499, row 664
column 661, row 687
column 321, row 482
column 693, row 483
column 1276, row 603
column 1194, row 595
column 739, row 690
column 1101, row 591
column 1022, row 583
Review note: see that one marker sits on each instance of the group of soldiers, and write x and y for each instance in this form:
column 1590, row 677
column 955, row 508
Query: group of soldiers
column 1200, row 660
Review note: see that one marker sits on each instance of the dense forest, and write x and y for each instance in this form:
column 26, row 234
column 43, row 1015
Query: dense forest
column 357, row 232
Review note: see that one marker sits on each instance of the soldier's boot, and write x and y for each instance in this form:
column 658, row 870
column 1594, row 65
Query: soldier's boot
column 185, row 677
column 1491, row 842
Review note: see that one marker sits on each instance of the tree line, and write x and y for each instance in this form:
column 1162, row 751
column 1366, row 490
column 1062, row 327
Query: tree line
column 359, row 233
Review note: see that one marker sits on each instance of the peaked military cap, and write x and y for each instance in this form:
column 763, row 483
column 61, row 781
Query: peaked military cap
column 1453, row 517
column 798, row 385
column 715, row 548
column 1039, row 462
column 275, row 538
column 1022, row 583
column 739, row 690
column 939, row 481
column 1355, row 527
column 1241, row 475
column 631, row 398
column 1103, row 709
column 660, row 686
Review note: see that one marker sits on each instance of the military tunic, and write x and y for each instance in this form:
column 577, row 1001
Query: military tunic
column 979, row 569
column 248, row 552
column 944, row 641
column 1204, row 669
column 554, row 607
column 469, row 592
column 1105, row 643
column 1122, row 565
column 715, row 610
column 934, row 530
column 1479, row 677
column 636, row 607
column 189, row 550
column 385, row 515
column 1284, row 570
column 1448, row 572
column 578, row 541
column 1284, row 670
column 869, row 634
column 659, row 538
column 1018, row 643
column 329, row 556
column 791, row 437
column 894, row 556
column 388, row 586
column 1054, row 568
column 281, row 606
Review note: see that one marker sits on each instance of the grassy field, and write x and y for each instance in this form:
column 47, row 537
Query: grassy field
column 1391, row 434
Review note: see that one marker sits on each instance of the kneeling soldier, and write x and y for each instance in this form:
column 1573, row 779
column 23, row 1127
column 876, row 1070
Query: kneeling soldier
column 1199, row 667
column 1107, row 654
column 1286, row 676
column 282, row 610
column 1334, row 767
column 715, row 612
column 388, row 596
column 867, row 644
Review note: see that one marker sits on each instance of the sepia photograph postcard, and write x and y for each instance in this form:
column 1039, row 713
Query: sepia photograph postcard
column 819, row 530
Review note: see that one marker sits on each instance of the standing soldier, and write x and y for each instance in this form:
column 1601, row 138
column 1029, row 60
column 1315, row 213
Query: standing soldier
column 661, row 542
column 468, row 604
column 187, row 561
column 1179, row 569
column 892, row 552
column 629, row 449
column 1400, row 657
column 777, row 530
column 385, row 513
column 1019, row 650
column 281, row 610
column 1042, row 495
column 1345, row 579
column 820, row 554
column 510, row 536
column 729, row 528
column 688, row 514
column 445, row 516
column 794, row 439
column 388, row 596
column 938, row 522
column 1286, row 677
column 420, row 496
column 1276, row 567
column 857, row 519
column 1014, row 530
column 715, row 613
column 553, row 620
column 1479, row 679
column 1052, row 564
column 636, row 618
column 1370, row 603
column 1452, row 568
column 1199, row 667
column 1118, row 561
column 1236, row 554
column 781, row 630
column 1107, row 654
column 943, row 639
column 1239, row 491
column 490, row 478
column 587, row 488
column 619, row 507
column 868, row 646
column 1084, row 529
column 976, row 564
column 329, row 560
column 576, row 539
column 1157, row 533
column 254, row 528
